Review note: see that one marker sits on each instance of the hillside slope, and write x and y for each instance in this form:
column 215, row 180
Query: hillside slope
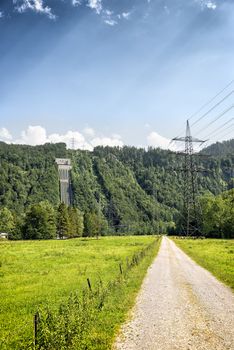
column 130, row 186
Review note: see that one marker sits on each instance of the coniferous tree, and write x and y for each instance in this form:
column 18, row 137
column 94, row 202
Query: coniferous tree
column 92, row 224
column 76, row 222
column 62, row 221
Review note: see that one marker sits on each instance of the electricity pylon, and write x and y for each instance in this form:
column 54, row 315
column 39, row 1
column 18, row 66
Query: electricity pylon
column 192, row 215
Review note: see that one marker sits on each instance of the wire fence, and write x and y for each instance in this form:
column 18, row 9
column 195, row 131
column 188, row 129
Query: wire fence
column 72, row 322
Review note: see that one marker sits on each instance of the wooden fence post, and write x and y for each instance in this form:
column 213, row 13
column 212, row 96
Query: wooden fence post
column 89, row 284
column 35, row 322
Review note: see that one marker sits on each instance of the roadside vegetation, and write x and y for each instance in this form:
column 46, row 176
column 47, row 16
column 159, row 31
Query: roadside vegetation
column 218, row 215
column 216, row 255
column 50, row 277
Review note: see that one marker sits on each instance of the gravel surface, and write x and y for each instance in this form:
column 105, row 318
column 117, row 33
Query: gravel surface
column 180, row 306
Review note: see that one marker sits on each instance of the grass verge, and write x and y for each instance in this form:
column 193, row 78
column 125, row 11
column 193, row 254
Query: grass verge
column 43, row 275
column 216, row 255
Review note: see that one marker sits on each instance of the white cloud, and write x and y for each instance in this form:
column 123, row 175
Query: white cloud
column 72, row 139
column 95, row 5
column 1, row 14
column 108, row 12
column 156, row 140
column 76, row 2
column 126, row 15
column 89, row 131
column 116, row 136
column 5, row 135
column 37, row 135
column 107, row 141
column 211, row 5
column 207, row 4
column 34, row 5
column 111, row 22
column 109, row 17
column 34, row 135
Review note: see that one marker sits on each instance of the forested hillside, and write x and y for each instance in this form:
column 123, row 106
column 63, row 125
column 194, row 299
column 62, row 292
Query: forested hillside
column 129, row 189
column 220, row 149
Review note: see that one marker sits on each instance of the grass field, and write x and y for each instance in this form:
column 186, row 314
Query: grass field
column 38, row 273
column 216, row 255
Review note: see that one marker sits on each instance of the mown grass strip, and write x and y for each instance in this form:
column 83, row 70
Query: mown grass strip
column 215, row 255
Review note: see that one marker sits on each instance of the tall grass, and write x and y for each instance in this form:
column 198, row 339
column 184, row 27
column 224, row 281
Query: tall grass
column 216, row 255
column 51, row 278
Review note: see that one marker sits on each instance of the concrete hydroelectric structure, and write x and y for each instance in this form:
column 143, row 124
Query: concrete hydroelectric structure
column 64, row 168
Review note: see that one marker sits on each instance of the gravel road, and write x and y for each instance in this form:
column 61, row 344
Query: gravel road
column 180, row 306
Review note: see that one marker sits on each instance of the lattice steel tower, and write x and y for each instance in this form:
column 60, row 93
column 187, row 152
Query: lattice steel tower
column 191, row 216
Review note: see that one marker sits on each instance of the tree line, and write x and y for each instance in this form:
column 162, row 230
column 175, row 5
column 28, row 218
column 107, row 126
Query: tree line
column 43, row 221
column 117, row 190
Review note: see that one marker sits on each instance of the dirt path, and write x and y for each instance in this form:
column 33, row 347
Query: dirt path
column 180, row 306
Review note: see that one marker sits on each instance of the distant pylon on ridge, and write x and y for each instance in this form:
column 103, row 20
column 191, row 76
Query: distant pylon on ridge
column 73, row 143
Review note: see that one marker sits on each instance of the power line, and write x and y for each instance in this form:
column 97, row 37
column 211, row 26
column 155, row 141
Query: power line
column 211, row 100
column 212, row 108
column 222, row 136
column 220, row 127
column 207, row 103
column 230, row 126
column 229, row 132
column 216, row 118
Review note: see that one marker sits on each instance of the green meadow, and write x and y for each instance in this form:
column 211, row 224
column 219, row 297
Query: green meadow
column 40, row 274
column 216, row 255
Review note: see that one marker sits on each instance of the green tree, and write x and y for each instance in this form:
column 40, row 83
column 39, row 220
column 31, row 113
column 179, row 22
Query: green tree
column 218, row 215
column 17, row 232
column 92, row 224
column 40, row 222
column 62, row 221
column 228, row 219
column 7, row 222
column 76, row 222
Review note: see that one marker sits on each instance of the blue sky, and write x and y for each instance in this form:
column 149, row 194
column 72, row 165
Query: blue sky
column 111, row 72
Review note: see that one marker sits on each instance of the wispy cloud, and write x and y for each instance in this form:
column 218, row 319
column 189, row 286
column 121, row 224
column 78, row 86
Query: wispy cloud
column 109, row 17
column 1, row 14
column 35, row 6
column 95, row 5
column 110, row 22
column 126, row 15
column 207, row 4
column 76, row 2
column 211, row 5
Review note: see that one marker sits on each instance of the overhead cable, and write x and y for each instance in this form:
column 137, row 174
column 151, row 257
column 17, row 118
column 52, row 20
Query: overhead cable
column 219, row 128
column 212, row 108
column 216, row 118
column 207, row 103
column 211, row 100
